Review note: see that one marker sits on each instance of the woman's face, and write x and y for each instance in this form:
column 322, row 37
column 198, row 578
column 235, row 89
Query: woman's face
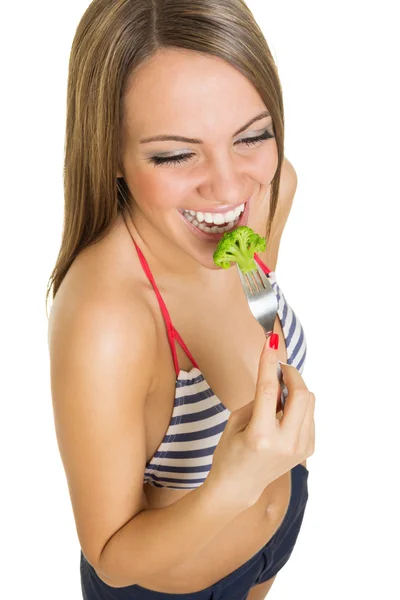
column 186, row 192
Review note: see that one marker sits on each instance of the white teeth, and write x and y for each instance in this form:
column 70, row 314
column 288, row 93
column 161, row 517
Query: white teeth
column 239, row 210
column 222, row 222
column 218, row 219
column 213, row 229
column 230, row 216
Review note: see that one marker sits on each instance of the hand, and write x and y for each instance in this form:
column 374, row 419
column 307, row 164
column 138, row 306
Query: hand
column 256, row 447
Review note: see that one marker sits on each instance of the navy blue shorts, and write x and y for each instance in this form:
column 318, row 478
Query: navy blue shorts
column 235, row 586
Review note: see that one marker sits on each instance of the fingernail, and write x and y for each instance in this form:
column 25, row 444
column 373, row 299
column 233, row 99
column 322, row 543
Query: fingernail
column 274, row 341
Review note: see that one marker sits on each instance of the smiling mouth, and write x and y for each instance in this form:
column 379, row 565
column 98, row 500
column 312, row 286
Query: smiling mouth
column 214, row 222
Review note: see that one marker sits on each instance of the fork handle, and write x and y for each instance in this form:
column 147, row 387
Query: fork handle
column 284, row 390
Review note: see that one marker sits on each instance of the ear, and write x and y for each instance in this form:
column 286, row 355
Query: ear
column 119, row 174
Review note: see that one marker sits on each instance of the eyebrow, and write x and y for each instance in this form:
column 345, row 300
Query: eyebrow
column 178, row 138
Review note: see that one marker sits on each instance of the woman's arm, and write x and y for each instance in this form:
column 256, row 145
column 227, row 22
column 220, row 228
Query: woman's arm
column 103, row 356
column 157, row 540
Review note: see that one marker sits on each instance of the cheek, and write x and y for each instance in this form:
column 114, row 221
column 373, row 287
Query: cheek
column 157, row 188
column 261, row 165
column 266, row 163
column 174, row 186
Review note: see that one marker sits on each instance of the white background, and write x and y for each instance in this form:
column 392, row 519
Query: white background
column 338, row 268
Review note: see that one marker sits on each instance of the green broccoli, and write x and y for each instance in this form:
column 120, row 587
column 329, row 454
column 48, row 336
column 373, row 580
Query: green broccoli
column 239, row 245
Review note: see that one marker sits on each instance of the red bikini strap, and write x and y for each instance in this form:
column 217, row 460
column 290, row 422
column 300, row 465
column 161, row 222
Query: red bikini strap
column 262, row 265
column 171, row 331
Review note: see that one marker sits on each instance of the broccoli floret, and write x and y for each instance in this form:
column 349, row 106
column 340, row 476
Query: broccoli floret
column 239, row 245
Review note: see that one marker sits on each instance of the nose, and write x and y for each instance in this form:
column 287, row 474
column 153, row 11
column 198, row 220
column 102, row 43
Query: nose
column 224, row 181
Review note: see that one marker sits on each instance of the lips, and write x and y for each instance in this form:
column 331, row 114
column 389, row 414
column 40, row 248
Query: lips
column 214, row 223
column 215, row 237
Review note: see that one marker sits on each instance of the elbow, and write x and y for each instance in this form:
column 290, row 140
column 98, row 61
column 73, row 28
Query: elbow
column 101, row 569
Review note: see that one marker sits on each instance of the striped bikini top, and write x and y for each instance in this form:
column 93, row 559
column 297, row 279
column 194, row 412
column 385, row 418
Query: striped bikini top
column 184, row 457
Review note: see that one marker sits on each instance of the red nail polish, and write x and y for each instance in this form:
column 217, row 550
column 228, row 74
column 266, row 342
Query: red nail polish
column 274, row 341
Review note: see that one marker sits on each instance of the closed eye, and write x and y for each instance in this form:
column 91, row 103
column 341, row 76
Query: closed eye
column 175, row 160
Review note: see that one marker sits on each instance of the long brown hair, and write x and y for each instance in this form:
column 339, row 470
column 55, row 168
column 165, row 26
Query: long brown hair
column 113, row 38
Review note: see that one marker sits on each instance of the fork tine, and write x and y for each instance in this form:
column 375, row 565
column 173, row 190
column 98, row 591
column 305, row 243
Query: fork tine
column 243, row 281
column 254, row 281
column 246, row 283
column 264, row 279
column 255, row 284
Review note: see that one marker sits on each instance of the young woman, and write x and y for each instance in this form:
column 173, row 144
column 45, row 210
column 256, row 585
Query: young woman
column 185, row 478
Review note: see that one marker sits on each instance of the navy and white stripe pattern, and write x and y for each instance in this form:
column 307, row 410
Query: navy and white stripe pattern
column 296, row 347
column 184, row 458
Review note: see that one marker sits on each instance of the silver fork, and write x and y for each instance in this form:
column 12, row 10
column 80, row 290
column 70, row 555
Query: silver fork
column 264, row 307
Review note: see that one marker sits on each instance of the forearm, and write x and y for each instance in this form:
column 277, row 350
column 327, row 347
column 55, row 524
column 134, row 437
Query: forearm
column 158, row 539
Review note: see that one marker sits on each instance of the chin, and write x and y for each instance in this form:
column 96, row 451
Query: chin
column 205, row 259
column 210, row 264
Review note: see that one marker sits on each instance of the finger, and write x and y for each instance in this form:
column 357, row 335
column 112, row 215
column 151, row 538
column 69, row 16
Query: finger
column 312, row 435
column 308, row 427
column 292, row 377
column 296, row 403
column 282, row 392
column 309, row 443
column 267, row 390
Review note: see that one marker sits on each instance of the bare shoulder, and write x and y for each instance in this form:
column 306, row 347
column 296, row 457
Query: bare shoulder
column 111, row 325
column 102, row 348
column 288, row 186
column 287, row 189
column 103, row 298
column 289, row 175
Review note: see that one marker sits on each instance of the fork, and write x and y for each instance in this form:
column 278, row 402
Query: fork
column 264, row 307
